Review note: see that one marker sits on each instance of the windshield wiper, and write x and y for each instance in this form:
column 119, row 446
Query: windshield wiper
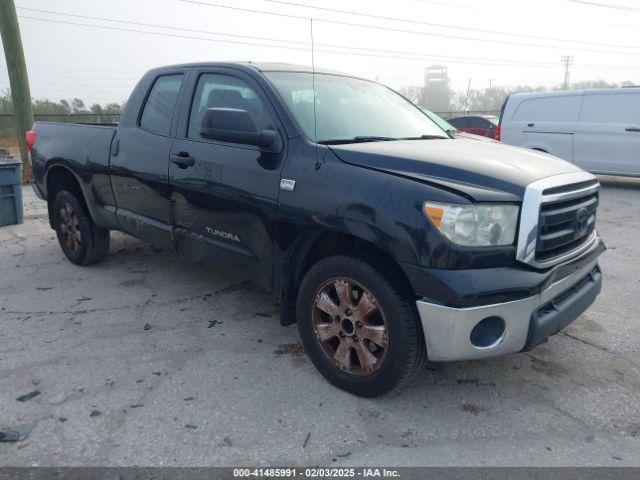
column 373, row 139
column 425, row 137
column 358, row 139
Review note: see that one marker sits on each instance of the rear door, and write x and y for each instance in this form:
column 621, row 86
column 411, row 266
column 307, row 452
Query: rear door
column 225, row 203
column 607, row 138
column 545, row 123
column 141, row 162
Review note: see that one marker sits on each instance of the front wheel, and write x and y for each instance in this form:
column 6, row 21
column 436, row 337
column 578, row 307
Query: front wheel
column 359, row 328
column 82, row 241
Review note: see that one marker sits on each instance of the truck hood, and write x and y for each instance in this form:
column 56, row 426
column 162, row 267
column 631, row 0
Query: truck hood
column 482, row 171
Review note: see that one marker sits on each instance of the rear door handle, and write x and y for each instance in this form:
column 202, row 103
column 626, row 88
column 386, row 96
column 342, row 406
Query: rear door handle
column 182, row 160
column 632, row 129
column 530, row 124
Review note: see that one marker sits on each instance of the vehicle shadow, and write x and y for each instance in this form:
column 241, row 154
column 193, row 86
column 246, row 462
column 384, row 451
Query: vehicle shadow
column 609, row 181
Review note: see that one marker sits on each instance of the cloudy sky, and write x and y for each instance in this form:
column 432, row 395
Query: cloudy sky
column 97, row 49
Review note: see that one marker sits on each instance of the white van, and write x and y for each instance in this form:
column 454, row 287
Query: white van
column 598, row 130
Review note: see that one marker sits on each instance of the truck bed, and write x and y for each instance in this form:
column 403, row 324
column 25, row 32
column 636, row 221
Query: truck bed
column 73, row 144
column 82, row 150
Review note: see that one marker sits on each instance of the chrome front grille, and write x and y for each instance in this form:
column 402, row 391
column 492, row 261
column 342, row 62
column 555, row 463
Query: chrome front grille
column 564, row 225
column 558, row 219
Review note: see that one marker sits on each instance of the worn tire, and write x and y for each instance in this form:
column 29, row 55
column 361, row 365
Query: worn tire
column 93, row 244
column 406, row 352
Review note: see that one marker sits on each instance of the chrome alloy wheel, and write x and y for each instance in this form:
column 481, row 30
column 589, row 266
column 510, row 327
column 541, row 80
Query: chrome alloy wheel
column 350, row 326
column 69, row 227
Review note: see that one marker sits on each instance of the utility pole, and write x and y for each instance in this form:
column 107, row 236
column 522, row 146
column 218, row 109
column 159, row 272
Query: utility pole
column 466, row 99
column 18, row 79
column 491, row 80
column 566, row 60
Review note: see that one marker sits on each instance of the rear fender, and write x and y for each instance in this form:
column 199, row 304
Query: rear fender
column 103, row 216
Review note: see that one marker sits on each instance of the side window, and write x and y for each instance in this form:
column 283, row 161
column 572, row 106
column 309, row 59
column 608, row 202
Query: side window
column 461, row 122
column 157, row 112
column 479, row 122
column 224, row 91
column 620, row 107
column 556, row 108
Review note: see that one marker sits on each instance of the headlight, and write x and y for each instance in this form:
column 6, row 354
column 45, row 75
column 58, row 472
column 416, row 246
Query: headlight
column 478, row 225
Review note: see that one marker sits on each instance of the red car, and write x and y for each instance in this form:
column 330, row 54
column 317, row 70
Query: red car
column 484, row 125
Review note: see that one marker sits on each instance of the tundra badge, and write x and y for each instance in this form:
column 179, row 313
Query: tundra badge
column 219, row 233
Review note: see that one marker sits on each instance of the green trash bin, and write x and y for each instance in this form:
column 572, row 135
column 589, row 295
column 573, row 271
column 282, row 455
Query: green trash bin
column 10, row 192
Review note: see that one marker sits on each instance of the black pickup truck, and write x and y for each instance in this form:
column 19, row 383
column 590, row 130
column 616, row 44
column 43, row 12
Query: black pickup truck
column 386, row 240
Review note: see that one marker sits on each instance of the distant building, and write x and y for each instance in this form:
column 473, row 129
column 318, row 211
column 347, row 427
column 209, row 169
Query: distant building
column 436, row 93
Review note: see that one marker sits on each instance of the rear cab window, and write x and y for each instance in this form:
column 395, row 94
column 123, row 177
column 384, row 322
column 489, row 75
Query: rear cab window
column 161, row 103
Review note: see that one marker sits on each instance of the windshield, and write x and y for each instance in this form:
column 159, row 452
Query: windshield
column 350, row 110
column 441, row 122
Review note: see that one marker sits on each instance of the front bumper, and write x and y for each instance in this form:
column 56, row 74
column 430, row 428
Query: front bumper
column 526, row 322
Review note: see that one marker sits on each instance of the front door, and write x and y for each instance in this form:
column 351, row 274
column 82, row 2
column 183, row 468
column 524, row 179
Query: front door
column 607, row 137
column 225, row 197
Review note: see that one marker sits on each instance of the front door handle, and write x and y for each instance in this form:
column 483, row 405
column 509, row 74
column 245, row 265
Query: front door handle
column 632, row 129
column 182, row 160
column 530, row 124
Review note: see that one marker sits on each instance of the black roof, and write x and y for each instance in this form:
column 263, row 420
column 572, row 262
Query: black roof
column 259, row 66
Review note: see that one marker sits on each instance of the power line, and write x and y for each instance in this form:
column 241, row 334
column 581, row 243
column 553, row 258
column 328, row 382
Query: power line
column 606, row 5
column 118, row 76
column 444, row 4
column 45, row 75
column 282, row 40
column 71, row 114
column 308, row 44
column 390, row 29
column 170, row 27
column 105, row 27
column 75, row 84
column 407, row 56
column 75, row 91
column 48, row 77
column 441, row 25
column 305, row 46
column 611, row 67
column 40, row 67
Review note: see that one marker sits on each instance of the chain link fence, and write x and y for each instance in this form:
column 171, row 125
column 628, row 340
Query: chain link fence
column 9, row 137
column 450, row 115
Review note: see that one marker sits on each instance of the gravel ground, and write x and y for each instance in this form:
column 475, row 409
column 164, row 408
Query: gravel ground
column 147, row 359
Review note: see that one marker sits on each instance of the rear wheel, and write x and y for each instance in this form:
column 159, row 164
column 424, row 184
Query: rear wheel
column 358, row 328
column 82, row 241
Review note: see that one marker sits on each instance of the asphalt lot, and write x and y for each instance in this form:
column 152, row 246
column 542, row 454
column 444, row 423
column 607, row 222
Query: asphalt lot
column 148, row 359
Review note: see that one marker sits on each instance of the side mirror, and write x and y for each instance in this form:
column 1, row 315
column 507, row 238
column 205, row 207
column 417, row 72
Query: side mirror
column 236, row 126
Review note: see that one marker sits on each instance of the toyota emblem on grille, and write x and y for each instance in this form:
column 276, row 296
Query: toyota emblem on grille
column 582, row 221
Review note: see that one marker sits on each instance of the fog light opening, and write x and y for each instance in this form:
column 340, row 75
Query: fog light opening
column 488, row 332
